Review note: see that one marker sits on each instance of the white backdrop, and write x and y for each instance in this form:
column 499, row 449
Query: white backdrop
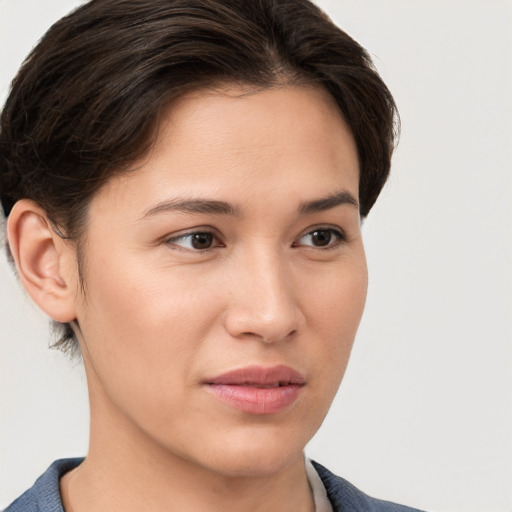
column 424, row 415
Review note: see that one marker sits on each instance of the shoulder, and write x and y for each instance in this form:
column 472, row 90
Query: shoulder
column 44, row 495
column 347, row 498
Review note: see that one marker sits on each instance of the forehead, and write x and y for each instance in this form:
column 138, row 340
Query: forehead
column 240, row 143
column 245, row 118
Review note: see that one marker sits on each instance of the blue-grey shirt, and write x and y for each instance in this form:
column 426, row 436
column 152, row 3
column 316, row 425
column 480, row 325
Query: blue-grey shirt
column 44, row 495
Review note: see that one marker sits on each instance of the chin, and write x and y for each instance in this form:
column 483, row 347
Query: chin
column 255, row 454
column 258, row 465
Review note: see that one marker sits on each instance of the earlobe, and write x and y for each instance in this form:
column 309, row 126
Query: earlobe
column 42, row 260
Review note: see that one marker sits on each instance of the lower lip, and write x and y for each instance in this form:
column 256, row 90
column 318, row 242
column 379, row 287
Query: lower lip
column 255, row 400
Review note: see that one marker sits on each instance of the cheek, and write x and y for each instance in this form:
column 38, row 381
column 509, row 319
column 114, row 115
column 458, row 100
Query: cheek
column 143, row 328
column 131, row 294
column 336, row 314
column 337, row 298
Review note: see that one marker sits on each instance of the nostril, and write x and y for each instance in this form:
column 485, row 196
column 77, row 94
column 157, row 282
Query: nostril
column 277, row 337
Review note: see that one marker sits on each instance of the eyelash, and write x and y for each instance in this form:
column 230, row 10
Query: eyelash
column 339, row 235
column 189, row 235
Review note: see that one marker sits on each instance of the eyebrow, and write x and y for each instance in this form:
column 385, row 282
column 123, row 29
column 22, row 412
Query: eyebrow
column 326, row 203
column 211, row 206
column 207, row 206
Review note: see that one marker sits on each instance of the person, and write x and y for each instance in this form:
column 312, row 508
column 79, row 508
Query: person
column 184, row 183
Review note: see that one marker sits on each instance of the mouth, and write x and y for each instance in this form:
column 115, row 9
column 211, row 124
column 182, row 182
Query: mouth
column 257, row 390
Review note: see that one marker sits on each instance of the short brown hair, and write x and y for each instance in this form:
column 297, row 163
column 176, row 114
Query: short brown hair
column 85, row 103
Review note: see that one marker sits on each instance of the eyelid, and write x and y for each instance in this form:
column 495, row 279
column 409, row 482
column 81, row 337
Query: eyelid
column 171, row 239
column 341, row 237
column 339, row 234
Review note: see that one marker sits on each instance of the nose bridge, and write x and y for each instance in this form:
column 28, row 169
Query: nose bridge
column 263, row 301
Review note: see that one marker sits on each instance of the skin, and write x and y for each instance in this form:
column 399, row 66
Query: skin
column 160, row 317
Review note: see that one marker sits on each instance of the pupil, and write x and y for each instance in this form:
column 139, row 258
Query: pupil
column 202, row 240
column 321, row 238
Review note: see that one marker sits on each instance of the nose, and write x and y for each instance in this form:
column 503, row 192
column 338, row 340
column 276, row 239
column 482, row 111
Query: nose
column 263, row 302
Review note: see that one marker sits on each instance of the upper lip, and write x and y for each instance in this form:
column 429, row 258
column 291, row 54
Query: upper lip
column 279, row 375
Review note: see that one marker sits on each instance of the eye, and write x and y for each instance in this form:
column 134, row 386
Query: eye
column 322, row 237
column 196, row 241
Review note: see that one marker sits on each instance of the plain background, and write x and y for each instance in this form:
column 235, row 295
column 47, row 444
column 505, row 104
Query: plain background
column 424, row 415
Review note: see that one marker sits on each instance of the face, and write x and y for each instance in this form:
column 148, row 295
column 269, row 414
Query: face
column 225, row 279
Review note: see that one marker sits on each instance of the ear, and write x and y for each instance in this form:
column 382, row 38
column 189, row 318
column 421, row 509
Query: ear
column 45, row 262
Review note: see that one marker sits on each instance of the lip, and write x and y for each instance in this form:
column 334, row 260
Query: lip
column 257, row 389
